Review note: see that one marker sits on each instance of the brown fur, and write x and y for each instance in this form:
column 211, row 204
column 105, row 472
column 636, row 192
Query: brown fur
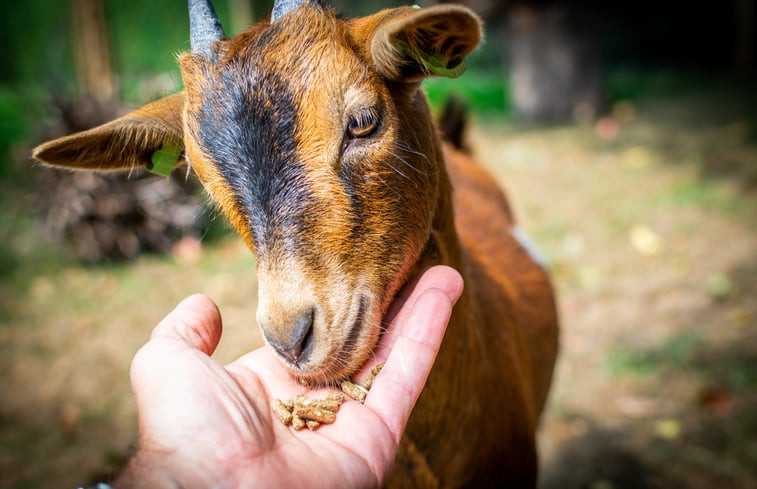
column 343, row 256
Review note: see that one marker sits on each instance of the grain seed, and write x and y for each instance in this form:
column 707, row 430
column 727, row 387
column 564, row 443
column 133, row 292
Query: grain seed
column 355, row 391
column 297, row 422
column 281, row 411
column 368, row 382
column 314, row 413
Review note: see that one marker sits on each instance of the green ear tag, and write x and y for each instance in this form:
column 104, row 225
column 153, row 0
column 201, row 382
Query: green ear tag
column 435, row 64
column 438, row 66
column 165, row 159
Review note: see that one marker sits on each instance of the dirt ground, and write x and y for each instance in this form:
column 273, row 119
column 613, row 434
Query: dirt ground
column 653, row 252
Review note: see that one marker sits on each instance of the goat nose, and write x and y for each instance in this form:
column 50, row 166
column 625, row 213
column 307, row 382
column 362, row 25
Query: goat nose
column 294, row 342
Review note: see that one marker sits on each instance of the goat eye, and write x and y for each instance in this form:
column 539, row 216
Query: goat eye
column 362, row 123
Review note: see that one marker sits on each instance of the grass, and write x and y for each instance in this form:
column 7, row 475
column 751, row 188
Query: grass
column 703, row 193
column 14, row 126
column 674, row 354
column 485, row 93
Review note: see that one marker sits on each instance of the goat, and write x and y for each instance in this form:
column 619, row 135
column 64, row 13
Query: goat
column 312, row 134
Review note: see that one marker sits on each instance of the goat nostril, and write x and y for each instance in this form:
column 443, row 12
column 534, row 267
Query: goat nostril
column 302, row 336
column 297, row 343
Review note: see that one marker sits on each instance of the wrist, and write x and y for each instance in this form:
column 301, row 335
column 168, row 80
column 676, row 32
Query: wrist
column 162, row 468
column 146, row 469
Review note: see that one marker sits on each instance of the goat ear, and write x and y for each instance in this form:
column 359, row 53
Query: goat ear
column 124, row 143
column 411, row 43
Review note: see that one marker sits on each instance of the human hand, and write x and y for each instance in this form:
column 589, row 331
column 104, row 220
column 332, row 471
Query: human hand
column 205, row 425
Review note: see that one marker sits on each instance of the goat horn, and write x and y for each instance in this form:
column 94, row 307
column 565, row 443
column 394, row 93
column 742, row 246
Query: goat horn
column 282, row 7
column 204, row 28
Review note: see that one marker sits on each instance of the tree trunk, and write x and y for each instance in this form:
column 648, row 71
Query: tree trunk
column 554, row 64
column 91, row 50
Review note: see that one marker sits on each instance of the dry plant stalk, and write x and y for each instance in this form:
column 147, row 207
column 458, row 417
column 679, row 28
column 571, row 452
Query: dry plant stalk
column 315, row 413
column 359, row 391
column 281, row 411
column 302, row 411
column 301, row 402
column 355, row 391
column 335, row 396
column 368, row 382
column 297, row 423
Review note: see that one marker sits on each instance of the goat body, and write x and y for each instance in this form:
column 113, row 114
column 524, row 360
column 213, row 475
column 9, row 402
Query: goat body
column 476, row 418
column 313, row 136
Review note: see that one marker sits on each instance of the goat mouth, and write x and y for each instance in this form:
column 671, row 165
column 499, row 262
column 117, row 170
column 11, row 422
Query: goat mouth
column 343, row 358
column 356, row 328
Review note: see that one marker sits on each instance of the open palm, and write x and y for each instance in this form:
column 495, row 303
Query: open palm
column 205, row 425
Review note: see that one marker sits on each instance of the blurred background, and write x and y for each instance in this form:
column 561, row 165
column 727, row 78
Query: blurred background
column 625, row 132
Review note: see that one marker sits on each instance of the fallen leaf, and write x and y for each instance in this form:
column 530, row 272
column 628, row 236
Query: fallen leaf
column 739, row 316
column 668, row 429
column 638, row 158
column 645, row 241
column 718, row 285
column 716, row 399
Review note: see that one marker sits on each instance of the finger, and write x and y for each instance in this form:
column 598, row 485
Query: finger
column 195, row 321
column 178, row 351
column 442, row 278
column 400, row 382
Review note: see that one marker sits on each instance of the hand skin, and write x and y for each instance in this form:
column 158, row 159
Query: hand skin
column 203, row 425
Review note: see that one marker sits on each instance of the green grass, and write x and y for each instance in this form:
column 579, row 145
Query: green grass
column 689, row 354
column 14, row 126
column 703, row 193
column 675, row 353
column 484, row 93
column 23, row 256
column 20, row 115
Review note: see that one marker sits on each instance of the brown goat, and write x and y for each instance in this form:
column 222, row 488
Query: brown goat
column 312, row 134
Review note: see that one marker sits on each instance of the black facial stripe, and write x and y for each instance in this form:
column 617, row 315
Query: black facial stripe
column 248, row 129
column 351, row 180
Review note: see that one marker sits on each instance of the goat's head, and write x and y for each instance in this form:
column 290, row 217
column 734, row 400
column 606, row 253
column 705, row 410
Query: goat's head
column 312, row 135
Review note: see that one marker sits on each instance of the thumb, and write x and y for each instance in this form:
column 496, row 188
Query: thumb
column 196, row 321
column 421, row 328
column 162, row 369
